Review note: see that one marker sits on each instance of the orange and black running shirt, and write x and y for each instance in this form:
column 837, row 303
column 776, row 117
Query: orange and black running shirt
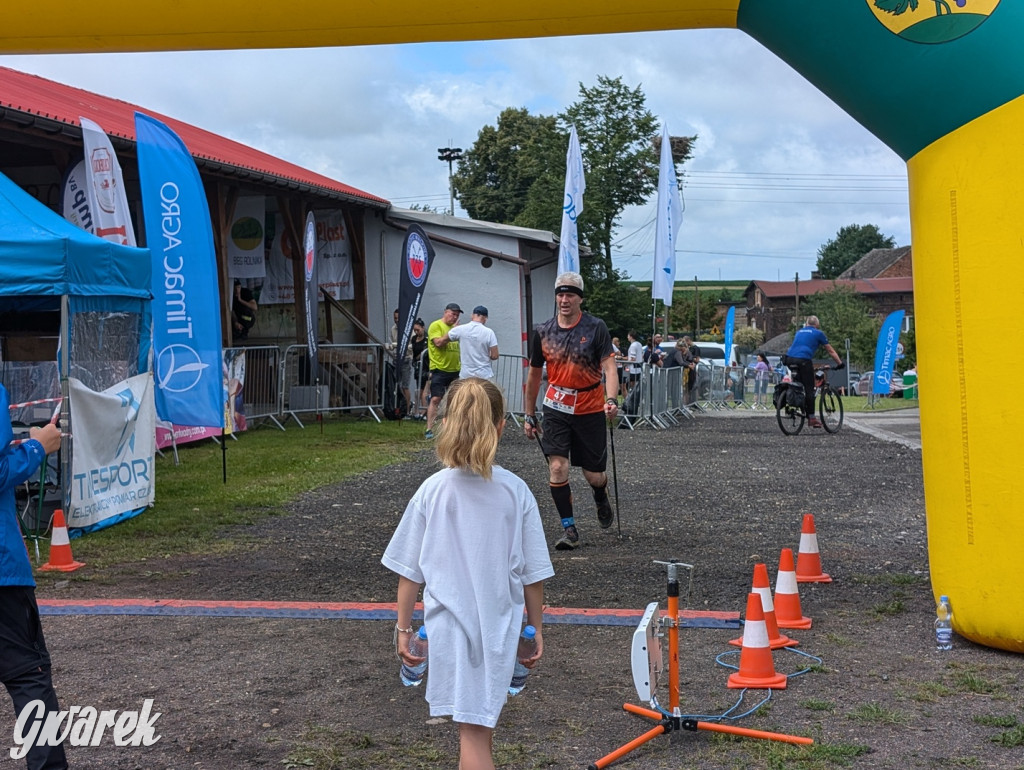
column 574, row 357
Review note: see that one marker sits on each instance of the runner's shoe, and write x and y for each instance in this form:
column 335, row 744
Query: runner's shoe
column 568, row 541
column 428, row 435
column 814, row 422
column 605, row 514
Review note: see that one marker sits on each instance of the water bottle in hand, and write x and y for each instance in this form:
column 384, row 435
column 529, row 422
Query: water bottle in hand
column 943, row 625
column 527, row 648
column 412, row 676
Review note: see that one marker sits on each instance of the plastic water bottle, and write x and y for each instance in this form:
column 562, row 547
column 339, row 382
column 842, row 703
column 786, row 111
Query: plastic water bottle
column 943, row 625
column 412, row 676
column 527, row 648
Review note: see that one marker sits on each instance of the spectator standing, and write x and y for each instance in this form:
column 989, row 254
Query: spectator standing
column 243, row 312
column 577, row 350
column 24, row 659
column 420, row 367
column 634, row 355
column 693, row 359
column 762, row 373
column 407, row 359
column 445, row 360
column 478, row 345
column 653, row 354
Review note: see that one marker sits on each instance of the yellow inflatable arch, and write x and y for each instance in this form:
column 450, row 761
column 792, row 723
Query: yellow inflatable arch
column 940, row 84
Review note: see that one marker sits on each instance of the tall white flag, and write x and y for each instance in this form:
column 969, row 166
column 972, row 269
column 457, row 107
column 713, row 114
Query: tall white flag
column 572, row 207
column 670, row 217
column 108, row 203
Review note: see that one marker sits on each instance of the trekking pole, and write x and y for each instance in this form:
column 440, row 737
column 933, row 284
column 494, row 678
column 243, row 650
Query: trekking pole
column 615, row 475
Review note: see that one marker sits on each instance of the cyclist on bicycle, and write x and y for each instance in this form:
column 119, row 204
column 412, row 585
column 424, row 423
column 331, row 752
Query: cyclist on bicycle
column 799, row 358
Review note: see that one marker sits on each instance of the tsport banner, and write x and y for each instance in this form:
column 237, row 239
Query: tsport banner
column 417, row 258
column 186, row 303
column 886, row 351
column 112, row 465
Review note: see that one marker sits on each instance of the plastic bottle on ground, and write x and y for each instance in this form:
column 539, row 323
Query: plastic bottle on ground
column 412, row 676
column 527, row 647
column 943, row 625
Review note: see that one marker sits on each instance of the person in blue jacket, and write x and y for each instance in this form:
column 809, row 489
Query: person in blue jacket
column 24, row 660
column 799, row 358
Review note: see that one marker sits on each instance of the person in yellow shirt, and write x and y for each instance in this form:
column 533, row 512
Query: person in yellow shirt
column 445, row 360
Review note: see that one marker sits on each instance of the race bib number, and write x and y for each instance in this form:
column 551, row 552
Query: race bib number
column 561, row 399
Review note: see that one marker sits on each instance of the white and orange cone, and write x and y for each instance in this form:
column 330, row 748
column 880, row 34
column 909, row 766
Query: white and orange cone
column 808, row 560
column 60, row 547
column 788, row 612
column 757, row 669
column 776, row 639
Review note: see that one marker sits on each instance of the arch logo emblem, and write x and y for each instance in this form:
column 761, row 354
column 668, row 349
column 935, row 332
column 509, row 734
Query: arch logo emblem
column 178, row 368
column 932, row 21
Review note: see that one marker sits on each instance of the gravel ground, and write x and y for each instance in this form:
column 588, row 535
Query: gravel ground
column 721, row 493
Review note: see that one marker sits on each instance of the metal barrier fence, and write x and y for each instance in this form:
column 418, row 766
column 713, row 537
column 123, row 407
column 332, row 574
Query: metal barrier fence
column 345, row 378
column 261, row 389
column 510, row 375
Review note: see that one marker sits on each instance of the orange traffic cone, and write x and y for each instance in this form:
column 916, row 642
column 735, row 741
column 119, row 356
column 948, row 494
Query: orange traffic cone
column 757, row 669
column 808, row 560
column 60, row 547
column 787, row 596
column 776, row 639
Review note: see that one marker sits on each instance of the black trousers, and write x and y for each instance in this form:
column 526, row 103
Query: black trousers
column 804, row 370
column 25, row 666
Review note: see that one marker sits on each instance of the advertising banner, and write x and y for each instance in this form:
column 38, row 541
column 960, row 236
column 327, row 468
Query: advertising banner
column 572, row 207
column 730, row 325
column 108, row 202
column 112, row 465
column 670, row 217
column 74, row 199
column 246, row 240
column 310, row 294
column 417, row 258
column 334, row 261
column 886, row 351
column 189, row 383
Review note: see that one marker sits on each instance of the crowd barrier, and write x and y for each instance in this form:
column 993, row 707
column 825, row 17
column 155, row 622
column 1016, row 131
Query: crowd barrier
column 510, row 375
column 344, row 378
column 261, row 389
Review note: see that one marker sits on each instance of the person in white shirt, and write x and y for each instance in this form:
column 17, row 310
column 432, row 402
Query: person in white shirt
column 478, row 345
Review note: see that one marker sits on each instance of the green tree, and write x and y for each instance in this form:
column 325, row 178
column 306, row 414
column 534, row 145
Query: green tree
column 494, row 177
column 845, row 314
column 850, row 244
column 683, row 316
column 747, row 338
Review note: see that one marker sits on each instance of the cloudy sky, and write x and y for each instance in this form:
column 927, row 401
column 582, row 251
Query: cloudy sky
column 777, row 167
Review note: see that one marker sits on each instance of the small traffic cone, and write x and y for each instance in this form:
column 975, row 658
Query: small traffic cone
column 776, row 639
column 808, row 560
column 787, row 596
column 757, row 669
column 60, row 547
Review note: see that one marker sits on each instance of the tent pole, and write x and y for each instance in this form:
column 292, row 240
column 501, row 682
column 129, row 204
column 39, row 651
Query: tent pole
column 63, row 367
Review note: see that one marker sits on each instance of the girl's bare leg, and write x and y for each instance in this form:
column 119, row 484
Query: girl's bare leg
column 475, row 747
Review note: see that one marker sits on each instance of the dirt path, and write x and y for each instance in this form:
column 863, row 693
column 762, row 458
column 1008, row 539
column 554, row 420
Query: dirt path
column 719, row 493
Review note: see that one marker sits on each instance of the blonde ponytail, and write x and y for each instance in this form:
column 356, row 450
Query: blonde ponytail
column 473, row 409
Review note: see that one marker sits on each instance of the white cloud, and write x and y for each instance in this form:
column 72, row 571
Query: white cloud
column 373, row 117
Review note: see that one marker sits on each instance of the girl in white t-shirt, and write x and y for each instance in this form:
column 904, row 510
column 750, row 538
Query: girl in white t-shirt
column 471, row 536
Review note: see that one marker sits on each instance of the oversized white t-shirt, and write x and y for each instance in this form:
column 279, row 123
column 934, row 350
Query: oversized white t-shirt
column 474, row 544
column 475, row 343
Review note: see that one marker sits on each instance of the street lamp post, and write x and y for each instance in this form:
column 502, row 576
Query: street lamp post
column 450, row 154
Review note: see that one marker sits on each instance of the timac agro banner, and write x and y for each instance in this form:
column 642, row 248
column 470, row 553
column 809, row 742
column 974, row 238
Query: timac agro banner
column 186, row 306
column 885, row 351
column 112, row 465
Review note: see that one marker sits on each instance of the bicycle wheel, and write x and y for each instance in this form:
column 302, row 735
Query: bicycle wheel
column 830, row 407
column 790, row 420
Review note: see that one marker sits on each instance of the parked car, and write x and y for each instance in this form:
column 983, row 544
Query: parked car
column 863, row 385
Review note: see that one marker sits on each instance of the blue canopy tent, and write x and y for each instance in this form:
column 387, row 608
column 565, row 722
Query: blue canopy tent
column 98, row 290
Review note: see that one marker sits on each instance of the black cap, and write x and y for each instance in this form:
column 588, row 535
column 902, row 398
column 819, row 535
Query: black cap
column 453, row 306
column 480, row 310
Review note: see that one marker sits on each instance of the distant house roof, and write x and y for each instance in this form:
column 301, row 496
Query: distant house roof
column 773, row 289
column 875, row 262
column 31, row 100
column 462, row 223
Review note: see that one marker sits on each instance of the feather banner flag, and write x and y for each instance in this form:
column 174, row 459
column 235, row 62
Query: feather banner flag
column 669, row 219
column 572, row 207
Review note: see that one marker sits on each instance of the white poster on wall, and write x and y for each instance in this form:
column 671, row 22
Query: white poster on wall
column 112, row 463
column 333, row 257
column 246, row 237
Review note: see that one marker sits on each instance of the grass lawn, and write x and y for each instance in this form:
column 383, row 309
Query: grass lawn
column 860, row 404
column 266, row 468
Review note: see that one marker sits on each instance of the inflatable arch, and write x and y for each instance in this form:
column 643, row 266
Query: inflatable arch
column 941, row 83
